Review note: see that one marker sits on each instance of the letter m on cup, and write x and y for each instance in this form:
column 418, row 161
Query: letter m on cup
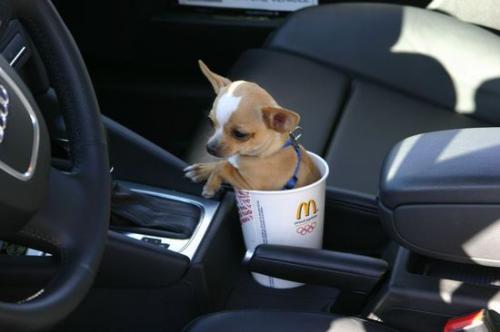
column 305, row 209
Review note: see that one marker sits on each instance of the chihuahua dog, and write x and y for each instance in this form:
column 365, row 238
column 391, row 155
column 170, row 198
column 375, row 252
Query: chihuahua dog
column 252, row 137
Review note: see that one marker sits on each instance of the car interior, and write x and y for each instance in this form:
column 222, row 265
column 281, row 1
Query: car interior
column 102, row 106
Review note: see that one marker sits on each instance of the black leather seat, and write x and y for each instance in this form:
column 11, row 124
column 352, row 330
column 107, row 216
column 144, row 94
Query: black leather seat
column 275, row 321
column 365, row 76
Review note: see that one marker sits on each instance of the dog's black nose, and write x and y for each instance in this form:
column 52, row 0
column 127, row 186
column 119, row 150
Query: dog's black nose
column 211, row 150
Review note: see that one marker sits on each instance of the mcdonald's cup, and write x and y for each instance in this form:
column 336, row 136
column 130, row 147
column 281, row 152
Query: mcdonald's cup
column 288, row 217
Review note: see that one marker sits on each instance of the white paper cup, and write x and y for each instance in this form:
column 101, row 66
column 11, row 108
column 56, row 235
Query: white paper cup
column 289, row 217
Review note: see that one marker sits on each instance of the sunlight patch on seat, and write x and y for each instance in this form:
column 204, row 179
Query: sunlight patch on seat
column 447, row 289
column 467, row 145
column 403, row 151
column 466, row 70
column 475, row 246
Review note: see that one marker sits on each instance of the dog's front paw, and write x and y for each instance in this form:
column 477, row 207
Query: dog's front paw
column 198, row 172
column 208, row 191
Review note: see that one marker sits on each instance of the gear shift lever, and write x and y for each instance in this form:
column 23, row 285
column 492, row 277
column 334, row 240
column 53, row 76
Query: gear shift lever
column 140, row 213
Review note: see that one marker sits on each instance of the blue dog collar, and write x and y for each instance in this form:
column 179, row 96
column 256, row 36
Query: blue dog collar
column 292, row 182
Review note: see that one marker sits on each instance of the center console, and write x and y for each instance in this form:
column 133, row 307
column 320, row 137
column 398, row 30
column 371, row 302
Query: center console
column 152, row 179
column 171, row 257
column 440, row 195
column 440, row 201
column 210, row 259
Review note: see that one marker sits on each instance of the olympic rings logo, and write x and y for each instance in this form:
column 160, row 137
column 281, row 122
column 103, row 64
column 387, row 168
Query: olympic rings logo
column 309, row 228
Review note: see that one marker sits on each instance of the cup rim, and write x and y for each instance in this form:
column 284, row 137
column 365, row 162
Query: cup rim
column 291, row 191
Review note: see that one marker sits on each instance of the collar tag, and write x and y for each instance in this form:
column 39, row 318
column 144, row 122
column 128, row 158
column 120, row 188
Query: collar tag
column 296, row 133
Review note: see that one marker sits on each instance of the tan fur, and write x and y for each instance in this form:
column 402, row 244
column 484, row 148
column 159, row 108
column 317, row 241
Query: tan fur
column 262, row 162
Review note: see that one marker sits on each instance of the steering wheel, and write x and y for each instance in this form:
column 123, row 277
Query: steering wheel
column 41, row 205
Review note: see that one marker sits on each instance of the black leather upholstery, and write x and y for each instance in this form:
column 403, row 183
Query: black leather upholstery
column 374, row 119
column 445, row 184
column 402, row 47
column 365, row 76
column 444, row 167
column 146, row 214
column 275, row 321
column 299, row 84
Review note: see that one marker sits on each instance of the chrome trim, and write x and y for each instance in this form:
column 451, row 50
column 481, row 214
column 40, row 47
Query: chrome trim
column 248, row 256
column 28, row 174
column 19, row 54
column 29, row 251
column 37, row 253
column 187, row 247
column 4, row 111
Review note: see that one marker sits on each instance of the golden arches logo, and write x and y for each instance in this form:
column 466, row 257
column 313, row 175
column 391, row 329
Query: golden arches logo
column 306, row 208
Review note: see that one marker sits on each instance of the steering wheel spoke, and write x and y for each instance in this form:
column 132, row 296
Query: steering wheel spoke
column 63, row 212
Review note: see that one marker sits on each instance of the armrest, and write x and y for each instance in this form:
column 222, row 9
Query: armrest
column 347, row 272
column 440, row 195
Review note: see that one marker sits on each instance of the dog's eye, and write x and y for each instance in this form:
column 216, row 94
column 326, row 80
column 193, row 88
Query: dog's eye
column 240, row 135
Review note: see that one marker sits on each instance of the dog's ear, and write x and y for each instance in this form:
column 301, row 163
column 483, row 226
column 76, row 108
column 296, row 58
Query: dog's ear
column 217, row 81
column 280, row 119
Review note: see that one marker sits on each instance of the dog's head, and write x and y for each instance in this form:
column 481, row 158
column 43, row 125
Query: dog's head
column 245, row 118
